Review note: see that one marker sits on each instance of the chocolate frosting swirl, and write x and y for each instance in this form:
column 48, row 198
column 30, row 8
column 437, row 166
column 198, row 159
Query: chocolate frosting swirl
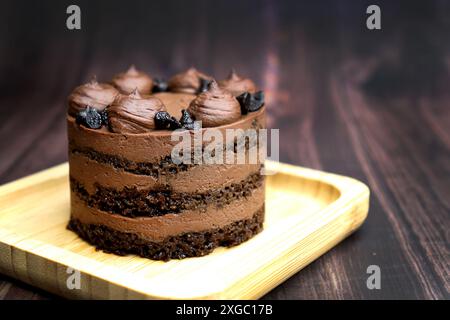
column 188, row 81
column 134, row 113
column 93, row 94
column 215, row 107
column 237, row 85
column 126, row 82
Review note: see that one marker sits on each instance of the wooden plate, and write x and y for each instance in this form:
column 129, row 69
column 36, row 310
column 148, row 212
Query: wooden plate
column 307, row 213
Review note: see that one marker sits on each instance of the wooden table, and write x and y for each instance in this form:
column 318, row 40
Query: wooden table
column 374, row 105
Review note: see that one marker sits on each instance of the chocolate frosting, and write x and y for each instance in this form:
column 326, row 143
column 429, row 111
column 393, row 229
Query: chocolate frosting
column 188, row 81
column 134, row 113
column 215, row 107
column 91, row 173
column 126, row 82
column 149, row 147
column 93, row 94
column 237, row 85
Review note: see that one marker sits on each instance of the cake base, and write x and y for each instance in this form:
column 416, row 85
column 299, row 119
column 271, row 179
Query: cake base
column 194, row 244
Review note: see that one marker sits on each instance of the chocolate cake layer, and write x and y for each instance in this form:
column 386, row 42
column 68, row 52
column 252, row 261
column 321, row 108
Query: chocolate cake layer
column 187, row 244
column 157, row 228
column 131, row 202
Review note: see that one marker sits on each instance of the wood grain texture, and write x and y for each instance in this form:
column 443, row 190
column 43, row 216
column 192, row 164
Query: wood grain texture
column 371, row 105
column 307, row 213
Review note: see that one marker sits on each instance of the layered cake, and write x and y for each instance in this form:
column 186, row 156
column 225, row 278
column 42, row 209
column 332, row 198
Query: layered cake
column 129, row 195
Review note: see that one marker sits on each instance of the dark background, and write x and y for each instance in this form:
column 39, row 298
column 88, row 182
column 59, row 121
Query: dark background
column 374, row 105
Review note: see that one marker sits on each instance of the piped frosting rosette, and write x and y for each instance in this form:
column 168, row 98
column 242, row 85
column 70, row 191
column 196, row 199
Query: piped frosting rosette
column 215, row 107
column 127, row 81
column 237, row 85
column 189, row 81
column 134, row 113
column 92, row 94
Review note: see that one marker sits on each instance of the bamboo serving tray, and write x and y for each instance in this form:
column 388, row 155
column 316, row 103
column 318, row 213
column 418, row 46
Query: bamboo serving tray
column 308, row 212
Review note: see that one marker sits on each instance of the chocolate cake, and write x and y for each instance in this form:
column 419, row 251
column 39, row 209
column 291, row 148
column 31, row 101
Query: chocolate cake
column 129, row 195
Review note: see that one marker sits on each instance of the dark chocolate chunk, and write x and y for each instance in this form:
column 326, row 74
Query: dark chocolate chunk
column 81, row 116
column 251, row 102
column 258, row 101
column 89, row 118
column 187, row 122
column 163, row 120
column 204, row 85
column 104, row 115
column 160, row 85
column 185, row 118
column 244, row 101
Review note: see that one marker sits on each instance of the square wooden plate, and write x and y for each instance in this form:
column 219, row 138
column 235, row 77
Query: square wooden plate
column 307, row 213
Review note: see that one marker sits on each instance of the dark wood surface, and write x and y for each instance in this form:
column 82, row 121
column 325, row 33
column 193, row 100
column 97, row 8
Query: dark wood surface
column 374, row 105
